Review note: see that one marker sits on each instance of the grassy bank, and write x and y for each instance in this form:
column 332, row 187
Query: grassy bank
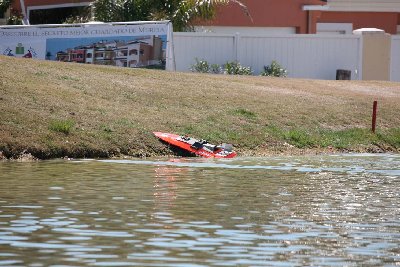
column 53, row 109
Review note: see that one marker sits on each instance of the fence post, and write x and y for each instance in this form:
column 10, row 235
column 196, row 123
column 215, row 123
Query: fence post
column 375, row 106
column 236, row 46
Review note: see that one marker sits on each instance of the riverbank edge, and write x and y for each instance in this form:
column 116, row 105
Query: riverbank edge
column 57, row 110
column 285, row 150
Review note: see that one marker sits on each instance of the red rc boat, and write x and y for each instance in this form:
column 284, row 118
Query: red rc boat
column 198, row 147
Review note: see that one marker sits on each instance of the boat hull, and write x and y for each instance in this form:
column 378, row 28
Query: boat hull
column 175, row 140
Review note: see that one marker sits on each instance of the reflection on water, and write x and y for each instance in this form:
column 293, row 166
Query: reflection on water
column 280, row 211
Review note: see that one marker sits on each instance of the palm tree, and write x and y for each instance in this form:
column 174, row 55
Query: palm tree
column 191, row 10
column 4, row 5
column 182, row 13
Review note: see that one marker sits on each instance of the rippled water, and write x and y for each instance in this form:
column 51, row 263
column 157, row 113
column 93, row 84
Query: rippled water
column 341, row 210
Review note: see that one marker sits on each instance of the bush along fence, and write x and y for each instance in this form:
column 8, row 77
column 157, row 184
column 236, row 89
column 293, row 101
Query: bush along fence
column 235, row 68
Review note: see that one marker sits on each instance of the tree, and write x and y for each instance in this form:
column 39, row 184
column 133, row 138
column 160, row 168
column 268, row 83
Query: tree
column 191, row 10
column 4, row 5
column 16, row 18
column 181, row 12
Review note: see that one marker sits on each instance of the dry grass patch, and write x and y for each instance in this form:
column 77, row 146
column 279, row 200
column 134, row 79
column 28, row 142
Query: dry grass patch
column 105, row 111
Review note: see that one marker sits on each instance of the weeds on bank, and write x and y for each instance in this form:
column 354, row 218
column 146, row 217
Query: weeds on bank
column 244, row 129
column 341, row 139
column 62, row 126
column 325, row 138
column 245, row 113
column 391, row 137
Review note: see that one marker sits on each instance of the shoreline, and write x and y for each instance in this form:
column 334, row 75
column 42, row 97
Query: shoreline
column 287, row 151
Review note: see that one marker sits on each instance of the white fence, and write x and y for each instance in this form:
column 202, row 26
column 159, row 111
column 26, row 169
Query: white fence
column 216, row 49
column 395, row 59
column 304, row 56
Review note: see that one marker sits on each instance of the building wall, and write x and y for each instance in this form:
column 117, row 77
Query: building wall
column 45, row 4
column 270, row 15
column 16, row 4
column 266, row 13
column 386, row 21
column 290, row 13
column 364, row 5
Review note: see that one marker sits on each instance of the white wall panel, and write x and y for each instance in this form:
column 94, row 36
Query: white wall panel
column 304, row 56
column 395, row 59
column 214, row 48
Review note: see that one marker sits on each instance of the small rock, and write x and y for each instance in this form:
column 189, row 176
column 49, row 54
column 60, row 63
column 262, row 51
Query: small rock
column 26, row 157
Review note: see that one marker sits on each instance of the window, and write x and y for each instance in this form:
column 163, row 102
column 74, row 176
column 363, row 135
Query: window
column 108, row 55
column 56, row 15
column 89, row 55
column 122, row 53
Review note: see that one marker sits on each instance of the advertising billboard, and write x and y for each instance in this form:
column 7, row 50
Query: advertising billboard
column 128, row 44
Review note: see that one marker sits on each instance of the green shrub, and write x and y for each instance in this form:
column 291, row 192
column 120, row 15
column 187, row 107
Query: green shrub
column 15, row 20
column 274, row 70
column 62, row 126
column 234, row 68
column 201, row 66
column 216, row 69
column 231, row 68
